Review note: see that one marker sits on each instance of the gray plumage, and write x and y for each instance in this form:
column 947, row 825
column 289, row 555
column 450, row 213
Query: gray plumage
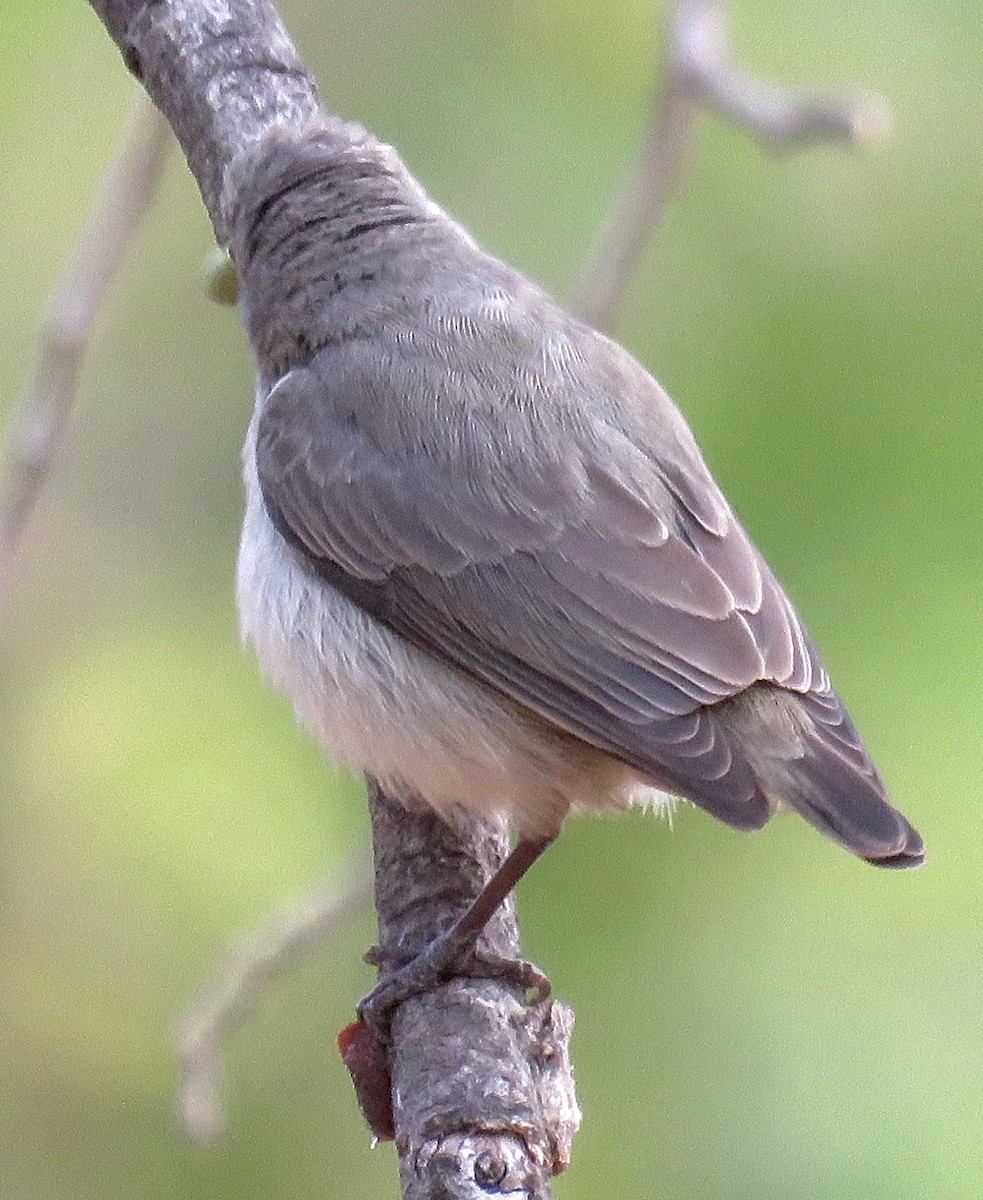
column 482, row 551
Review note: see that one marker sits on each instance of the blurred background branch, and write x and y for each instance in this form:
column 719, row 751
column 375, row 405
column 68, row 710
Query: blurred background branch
column 227, row 1001
column 700, row 72
column 40, row 425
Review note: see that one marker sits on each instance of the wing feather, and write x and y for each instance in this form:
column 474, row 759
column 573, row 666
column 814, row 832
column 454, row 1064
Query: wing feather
column 610, row 591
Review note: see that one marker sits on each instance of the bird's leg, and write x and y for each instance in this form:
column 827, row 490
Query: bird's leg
column 450, row 953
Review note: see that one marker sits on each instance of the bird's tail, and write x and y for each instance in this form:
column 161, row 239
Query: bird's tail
column 824, row 772
column 773, row 748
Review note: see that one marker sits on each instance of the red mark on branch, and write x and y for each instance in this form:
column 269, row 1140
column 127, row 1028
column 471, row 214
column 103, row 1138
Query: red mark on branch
column 365, row 1057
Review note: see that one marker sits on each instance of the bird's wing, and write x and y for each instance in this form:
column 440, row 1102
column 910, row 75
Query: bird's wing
column 611, row 591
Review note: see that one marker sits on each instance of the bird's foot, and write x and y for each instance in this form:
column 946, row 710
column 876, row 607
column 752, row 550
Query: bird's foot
column 450, row 955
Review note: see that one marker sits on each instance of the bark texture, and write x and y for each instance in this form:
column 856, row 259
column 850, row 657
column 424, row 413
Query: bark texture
column 482, row 1088
column 221, row 71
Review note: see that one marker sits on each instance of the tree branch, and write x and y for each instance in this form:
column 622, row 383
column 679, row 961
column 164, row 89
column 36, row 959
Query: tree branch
column 223, row 72
column 705, row 71
column 482, row 1086
column 700, row 72
column 40, row 424
column 225, row 1002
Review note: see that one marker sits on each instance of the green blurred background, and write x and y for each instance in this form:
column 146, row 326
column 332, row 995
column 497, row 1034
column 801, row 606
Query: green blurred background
column 757, row 1017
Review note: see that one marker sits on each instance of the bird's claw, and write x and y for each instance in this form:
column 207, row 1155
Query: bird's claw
column 445, row 958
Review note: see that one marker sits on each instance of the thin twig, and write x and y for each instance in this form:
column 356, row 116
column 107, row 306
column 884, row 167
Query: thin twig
column 706, row 71
column 637, row 213
column 224, row 1003
column 40, row 424
column 701, row 73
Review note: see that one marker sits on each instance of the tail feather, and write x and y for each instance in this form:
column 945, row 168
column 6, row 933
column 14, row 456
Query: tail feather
column 850, row 804
column 802, row 751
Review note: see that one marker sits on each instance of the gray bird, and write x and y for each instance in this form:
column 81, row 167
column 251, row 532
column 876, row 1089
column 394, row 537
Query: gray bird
column 482, row 552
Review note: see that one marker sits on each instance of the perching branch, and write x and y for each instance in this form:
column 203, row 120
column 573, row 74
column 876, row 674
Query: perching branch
column 40, row 424
column 225, row 1003
column 223, row 72
column 220, row 72
column 482, row 1084
column 700, row 72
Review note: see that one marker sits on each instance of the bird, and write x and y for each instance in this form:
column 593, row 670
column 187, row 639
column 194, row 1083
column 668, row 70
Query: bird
column 482, row 552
